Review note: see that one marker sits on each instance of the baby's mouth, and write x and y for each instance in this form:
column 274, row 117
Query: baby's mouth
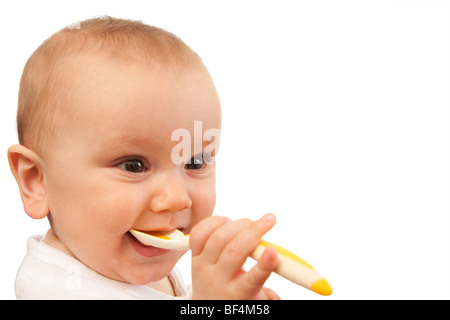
column 172, row 240
column 157, row 233
column 145, row 250
column 130, row 234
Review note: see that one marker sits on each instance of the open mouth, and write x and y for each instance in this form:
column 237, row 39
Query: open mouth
column 173, row 240
column 157, row 234
column 145, row 250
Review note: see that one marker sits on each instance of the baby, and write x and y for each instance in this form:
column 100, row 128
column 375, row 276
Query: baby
column 98, row 105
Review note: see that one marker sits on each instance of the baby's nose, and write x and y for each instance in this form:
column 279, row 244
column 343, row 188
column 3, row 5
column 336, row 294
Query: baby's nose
column 170, row 195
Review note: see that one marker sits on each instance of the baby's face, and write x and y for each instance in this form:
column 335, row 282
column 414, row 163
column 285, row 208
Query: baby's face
column 112, row 170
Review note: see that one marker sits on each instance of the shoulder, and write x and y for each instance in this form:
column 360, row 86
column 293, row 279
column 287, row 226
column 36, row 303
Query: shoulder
column 46, row 273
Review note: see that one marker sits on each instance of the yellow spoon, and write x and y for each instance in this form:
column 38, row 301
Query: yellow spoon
column 289, row 265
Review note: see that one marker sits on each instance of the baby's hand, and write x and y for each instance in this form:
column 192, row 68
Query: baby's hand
column 219, row 249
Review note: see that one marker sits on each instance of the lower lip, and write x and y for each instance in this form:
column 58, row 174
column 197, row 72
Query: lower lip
column 146, row 251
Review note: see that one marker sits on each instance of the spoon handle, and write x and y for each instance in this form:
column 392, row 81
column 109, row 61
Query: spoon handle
column 295, row 269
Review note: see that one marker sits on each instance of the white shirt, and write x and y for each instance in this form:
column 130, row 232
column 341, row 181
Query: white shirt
column 48, row 273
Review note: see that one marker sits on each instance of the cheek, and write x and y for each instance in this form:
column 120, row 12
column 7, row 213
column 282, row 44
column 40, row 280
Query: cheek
column 94, row 209
column 111, row 210
column 203, row 203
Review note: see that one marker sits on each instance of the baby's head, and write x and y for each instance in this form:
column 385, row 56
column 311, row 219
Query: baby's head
column 98, row 106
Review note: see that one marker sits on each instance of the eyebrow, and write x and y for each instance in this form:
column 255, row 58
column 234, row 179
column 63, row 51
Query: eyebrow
column 121, row 141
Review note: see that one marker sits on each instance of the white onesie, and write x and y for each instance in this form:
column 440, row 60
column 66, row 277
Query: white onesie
column 48, row 273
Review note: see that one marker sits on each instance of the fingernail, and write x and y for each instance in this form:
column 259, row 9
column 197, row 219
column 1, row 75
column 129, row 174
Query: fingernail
column 268, row 218
column 228, row 219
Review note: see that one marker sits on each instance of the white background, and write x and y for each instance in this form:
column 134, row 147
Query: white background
column 336, row 117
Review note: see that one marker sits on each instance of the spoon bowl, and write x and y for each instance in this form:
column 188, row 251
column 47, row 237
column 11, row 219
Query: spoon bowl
column 172, row 240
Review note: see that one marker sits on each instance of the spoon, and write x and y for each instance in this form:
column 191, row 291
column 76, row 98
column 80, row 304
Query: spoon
column 289, row 265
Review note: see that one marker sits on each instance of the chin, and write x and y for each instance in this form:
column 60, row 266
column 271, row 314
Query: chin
column 144, row 276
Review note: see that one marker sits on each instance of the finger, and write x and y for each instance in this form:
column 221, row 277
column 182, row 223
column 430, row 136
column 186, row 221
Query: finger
column 201, row 232
column 271, row 295
column 253, row 281
column 237, row 250
column 220, row 237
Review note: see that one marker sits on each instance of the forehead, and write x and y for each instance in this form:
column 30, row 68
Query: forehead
column 127, row 98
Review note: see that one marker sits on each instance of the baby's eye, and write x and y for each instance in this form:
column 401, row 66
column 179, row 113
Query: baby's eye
column 133, row 166
column 196, row 163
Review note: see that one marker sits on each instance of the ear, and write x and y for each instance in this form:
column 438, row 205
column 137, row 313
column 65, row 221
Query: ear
column 25, row 166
